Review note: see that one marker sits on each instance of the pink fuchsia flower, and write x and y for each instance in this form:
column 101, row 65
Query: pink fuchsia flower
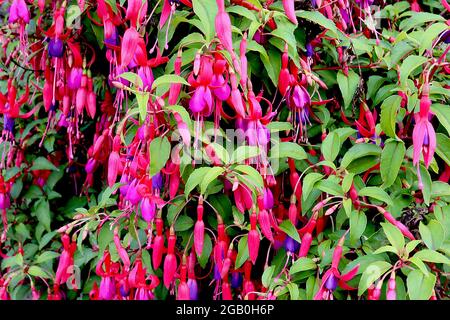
column 424, row 136
column 136, row 11
column 130, row 42
column 146, row 75
column 65, row 260
column 289, row 10
column 148, row 209
column 223, row 26
column 300, row 98
column 364, row 3
column 108, row 271
column 424, row 140
column 74, row 79
column 170, row 262
column 18, row 12
column 333, row 278
column 138, row 280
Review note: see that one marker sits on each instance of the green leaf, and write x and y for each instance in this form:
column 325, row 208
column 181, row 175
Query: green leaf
column 42, row 163
column 347, row 204
column 302, row 264
column 410, row 246
column 265, row 59
column 22, row 231
column 394, row 236
column 294, row 292
column 266, row 277
column 391, row 161
column 431, row 33
column 420, row 286
column 443, row 147
column 418, row 19
column 142, row 100
column 220, row 152
column 443, row 114
column 132, row 77
column 45, row 256
column 373, row 272
column 183, row 223
column 38, row 272
column 376, row 193
column 285, row 31
column 330, row 147
column 211, row 175
column 43, row 213
column 46, row 239
column 433, row 235
column 206, row 11
column 194, row 180
column 242, row 11
column 105, row 237
column 252, row 173
column 432, row 256
column 347, row 182
column 386, row 249
column 159, row 154
column 99, row 34
column 276, row 126
column 389, row 109
column 308, row 183
column 373, row 84
column 419, row 263
column 206, row 252
column 348, row 86
column 319, row 18
column 73, row 13
column 288, row 150
column 242, row 254
column 243, row 153
column 331, row 187
column 358, row 222
column 409, row 65
column 168, row 79
column 290, row 230
column 399, row 51
column 426, row 180
column 358, row 151
column 15, row 260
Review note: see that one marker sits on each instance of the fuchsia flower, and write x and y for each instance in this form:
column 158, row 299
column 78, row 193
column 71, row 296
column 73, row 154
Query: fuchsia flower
column 131, row 40
column 199, row 229
column 107, row 270
column 364, row 3
column 146, row 75
column 18, row 12
column 333, row 278
column 138, row 280
column 65, row 260
column 136, row 11
column 170, row 262
column 223, row 26
column 10, row 105
column 253, row 239
column 289, row 10
column 424, row 136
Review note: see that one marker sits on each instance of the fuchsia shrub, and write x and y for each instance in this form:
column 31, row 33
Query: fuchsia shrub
column 225, row 149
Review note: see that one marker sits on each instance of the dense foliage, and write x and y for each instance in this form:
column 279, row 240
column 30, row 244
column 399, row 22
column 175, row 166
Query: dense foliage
column 238, row 149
